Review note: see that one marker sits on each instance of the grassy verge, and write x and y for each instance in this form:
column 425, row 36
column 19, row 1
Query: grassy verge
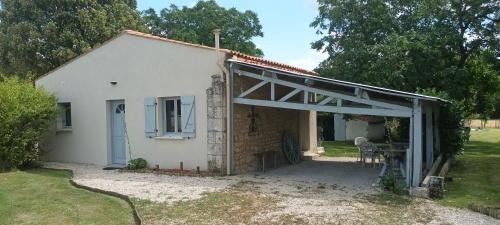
column 340, row 149
column 45, row 196
column 476, row 176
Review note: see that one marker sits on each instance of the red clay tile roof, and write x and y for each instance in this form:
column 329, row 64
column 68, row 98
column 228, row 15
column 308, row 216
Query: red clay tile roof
column 231, row 54
column 261, row 61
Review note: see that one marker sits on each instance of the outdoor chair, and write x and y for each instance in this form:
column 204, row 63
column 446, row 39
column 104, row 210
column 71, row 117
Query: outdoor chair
column 358, row 141
column 371, row 151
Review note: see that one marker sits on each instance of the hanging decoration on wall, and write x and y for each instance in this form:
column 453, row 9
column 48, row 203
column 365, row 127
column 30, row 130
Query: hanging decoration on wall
column 252, row 128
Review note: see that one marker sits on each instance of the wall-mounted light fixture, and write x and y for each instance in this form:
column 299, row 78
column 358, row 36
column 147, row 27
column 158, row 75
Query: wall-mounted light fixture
column 113, row 83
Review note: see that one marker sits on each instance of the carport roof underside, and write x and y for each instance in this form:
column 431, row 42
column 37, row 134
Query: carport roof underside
column 323, row 94
column 268, row 85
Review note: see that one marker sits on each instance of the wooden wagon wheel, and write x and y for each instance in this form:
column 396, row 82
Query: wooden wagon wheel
column 291, row 149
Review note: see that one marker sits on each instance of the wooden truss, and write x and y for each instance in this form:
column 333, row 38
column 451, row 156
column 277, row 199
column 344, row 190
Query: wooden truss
column 366, row 105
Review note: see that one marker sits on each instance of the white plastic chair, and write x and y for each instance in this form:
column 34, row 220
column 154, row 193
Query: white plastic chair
column 358, row 142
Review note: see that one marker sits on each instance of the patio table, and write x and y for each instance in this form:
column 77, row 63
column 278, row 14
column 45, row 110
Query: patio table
column 392, row 151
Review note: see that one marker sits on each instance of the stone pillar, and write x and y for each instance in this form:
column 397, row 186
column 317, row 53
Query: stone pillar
column 216, row 125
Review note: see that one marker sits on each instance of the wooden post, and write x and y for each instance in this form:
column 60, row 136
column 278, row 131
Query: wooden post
column 273, row 96
column 409, row 156
column 417, row 143
column 429, row 137
column 437, row 138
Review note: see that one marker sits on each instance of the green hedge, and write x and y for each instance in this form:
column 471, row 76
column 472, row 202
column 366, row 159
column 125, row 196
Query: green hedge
column 26, row 114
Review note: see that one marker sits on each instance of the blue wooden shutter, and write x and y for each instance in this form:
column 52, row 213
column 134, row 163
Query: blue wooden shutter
column 188, row 116
column 150, row 116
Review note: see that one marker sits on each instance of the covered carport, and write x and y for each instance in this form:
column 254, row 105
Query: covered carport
column 297, row 95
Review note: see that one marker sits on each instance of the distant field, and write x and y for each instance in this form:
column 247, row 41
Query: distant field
column 489, row 123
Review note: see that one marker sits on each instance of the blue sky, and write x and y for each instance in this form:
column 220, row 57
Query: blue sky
column 287, row 35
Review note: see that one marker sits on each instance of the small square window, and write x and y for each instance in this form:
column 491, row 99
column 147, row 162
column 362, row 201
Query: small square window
column 64, row 120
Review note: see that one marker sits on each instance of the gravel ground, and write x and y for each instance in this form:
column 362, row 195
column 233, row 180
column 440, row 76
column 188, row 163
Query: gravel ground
column 459, row 216
column 342, row 176
column 324, row 191
column 156, row 188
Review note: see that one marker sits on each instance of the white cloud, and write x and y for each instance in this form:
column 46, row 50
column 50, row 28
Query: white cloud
column 309, row 61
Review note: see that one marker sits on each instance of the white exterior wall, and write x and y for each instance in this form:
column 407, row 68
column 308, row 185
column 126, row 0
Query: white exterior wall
column 143, row 68
column 360, row 128
column 339, row 125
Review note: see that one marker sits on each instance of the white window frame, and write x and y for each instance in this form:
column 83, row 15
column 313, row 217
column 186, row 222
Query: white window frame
column 62, row 119
column 176, row 132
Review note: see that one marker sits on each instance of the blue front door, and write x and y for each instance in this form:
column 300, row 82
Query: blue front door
column 118, row 132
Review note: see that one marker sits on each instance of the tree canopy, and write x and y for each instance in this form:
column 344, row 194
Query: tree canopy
column 195, row 25
column 38, row 35
column 449, row 45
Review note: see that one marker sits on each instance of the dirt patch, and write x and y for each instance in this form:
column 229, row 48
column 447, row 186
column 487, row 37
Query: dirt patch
column 236, row 205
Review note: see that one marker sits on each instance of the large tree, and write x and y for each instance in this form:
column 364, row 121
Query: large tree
column 412, row 44
column 195, row 25
column 38, row 35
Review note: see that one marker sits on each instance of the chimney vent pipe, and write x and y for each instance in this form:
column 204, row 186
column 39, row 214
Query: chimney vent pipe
column 217, row 38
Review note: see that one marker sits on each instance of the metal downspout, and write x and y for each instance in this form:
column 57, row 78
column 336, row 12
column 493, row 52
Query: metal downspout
column 228, row 80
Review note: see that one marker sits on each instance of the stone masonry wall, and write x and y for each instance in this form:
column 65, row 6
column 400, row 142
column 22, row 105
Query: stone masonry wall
column 216, row 119
column 269, row 126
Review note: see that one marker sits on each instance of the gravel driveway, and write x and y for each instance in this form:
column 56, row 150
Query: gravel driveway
column 156, row 188
column 324, row 191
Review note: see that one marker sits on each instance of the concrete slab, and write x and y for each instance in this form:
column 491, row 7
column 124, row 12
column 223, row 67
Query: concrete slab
column 345, row 172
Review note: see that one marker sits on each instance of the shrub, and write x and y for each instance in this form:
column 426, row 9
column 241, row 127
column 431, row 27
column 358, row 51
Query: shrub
column 399, row 129
column 392, row 181
column 26, row 114
column 138, row 163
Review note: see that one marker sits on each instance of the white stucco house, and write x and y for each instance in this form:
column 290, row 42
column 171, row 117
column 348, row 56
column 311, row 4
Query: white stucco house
column 155, row 96
column 169, row 101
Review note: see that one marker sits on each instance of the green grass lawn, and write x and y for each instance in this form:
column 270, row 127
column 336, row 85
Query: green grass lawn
column 340, row 148
column 476, row 176
column 45, row 196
